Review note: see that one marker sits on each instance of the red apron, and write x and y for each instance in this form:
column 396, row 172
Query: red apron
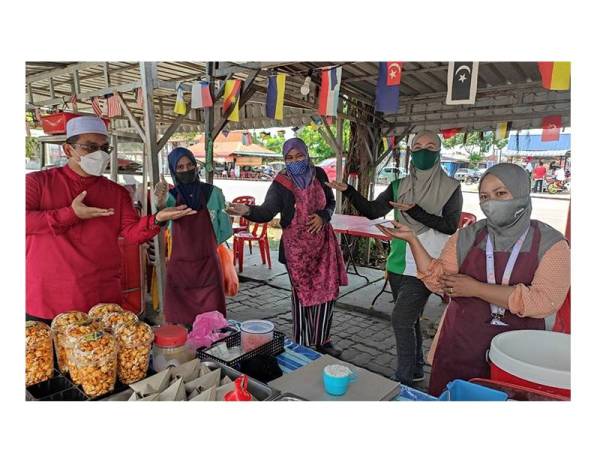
column 194, row 279
column 466, row 332
column 314, row 260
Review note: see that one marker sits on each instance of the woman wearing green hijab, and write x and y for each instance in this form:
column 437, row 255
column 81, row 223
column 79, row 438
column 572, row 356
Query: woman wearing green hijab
column 429, row 202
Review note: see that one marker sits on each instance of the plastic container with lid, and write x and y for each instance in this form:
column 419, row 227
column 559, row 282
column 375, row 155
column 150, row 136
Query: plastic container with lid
column 170, row 347
column 135, row 344
column 99, row 310
column 58, row 327
column 39, row 357
column 110, row 321
column 71, row 335
column 256, row 333
column 95, row 357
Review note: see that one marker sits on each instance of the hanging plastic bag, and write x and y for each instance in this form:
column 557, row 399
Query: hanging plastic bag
column 231, row 283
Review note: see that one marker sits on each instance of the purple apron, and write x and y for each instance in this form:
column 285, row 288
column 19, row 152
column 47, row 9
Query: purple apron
column 466, row 333
column 194, row 278
column 314, row 260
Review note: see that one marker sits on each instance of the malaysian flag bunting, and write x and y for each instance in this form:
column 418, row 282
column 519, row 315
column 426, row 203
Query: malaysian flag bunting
column 139, row 97
column 201, row 97
column 331, row 79
column 99, row 106
column 449, row 132
column 114, row 107
column 503, row 130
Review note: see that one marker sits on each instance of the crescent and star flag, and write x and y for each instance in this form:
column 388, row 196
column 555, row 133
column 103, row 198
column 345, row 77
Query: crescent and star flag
column 449, row 132
column 275, row 93
column 555, row 75
column 201, row 97
column 232, row 97
column 551, row 128
column 462, row 83
column 503, row 130
column 331, row 80
column 179, row 108
column 388, row 87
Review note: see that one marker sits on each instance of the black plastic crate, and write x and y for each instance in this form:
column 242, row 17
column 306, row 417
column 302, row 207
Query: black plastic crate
column 68, row 395
column 272, row 348
column 49, row 387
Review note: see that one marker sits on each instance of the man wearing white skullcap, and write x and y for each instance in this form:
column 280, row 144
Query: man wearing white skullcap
column 74, row 217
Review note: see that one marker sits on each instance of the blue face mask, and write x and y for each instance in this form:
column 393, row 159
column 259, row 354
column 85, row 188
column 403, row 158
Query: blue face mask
column 297, row 167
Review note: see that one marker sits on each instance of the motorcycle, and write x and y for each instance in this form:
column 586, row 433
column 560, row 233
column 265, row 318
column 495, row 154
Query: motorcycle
column 554, row 186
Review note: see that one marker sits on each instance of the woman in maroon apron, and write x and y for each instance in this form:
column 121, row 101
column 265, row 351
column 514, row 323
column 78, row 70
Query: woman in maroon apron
column 308, row 247
column 504, row 273
column 194, row 280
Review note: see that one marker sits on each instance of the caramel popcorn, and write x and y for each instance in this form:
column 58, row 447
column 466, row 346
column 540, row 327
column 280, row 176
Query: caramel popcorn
column 135, row 343
column 39, row 362
column 95, row 357
column 111, row 320
column 71, row 335
column 99, row 310
column 59, row 324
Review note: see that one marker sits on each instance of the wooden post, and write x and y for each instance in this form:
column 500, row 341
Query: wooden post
column 114, row 159
column 147, row 72
column 338, row 162
column 209, row 121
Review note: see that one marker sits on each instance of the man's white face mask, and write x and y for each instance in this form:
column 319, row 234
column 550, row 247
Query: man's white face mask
column 94, row 163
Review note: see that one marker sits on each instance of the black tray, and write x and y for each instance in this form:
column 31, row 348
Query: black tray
column 61, row 387
column 272, row 348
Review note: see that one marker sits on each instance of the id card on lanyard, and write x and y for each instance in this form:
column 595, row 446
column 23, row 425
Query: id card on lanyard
column 498, row 311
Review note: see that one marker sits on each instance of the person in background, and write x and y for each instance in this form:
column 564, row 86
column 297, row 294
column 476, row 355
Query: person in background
column 539, row 173
column 308, row 245
column 429, row 202
column 74, row 217
column 194, row 279
column 506, row 272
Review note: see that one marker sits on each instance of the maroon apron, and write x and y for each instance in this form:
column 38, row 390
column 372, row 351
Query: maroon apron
column 466, row 333
column 194, row 279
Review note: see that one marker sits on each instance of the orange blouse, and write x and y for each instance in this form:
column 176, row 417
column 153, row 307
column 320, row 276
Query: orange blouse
column 542, row 298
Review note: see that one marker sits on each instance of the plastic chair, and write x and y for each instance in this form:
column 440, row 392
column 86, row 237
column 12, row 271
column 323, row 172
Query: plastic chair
column 244, row 200
column 246, row 236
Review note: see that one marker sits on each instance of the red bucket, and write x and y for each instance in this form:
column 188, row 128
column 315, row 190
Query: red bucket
column 534, row 359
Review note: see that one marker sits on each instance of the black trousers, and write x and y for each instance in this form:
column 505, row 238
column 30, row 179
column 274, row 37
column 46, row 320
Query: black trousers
column 411, row 296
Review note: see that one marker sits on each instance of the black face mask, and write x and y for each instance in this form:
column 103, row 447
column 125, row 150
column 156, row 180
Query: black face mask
column 188, row 176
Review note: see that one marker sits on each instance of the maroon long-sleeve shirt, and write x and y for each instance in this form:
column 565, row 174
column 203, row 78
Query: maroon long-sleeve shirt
column 73, row 264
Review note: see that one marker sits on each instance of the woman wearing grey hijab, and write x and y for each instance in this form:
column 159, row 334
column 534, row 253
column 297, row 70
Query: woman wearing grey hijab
column 429, row 203
column 506, row 272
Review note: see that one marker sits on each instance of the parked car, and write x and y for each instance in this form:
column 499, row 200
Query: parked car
column 328, row 165
column 391, row 173
column 467, row 175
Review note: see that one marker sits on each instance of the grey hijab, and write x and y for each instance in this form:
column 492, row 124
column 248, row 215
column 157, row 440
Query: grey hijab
column 517, row 181
column 430, row 189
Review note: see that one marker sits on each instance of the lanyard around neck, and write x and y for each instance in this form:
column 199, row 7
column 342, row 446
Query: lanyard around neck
column 498, row 311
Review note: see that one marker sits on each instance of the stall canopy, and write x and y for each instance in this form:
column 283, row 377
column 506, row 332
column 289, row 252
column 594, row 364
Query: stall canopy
column 532, row 145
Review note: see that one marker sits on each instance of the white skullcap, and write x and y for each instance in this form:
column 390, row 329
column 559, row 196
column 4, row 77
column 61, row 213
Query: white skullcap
column 84, row 125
